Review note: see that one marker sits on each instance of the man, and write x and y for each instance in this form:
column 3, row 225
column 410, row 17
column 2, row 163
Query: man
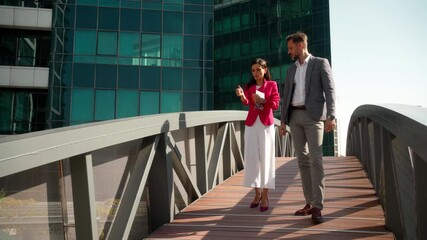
column 308, row 108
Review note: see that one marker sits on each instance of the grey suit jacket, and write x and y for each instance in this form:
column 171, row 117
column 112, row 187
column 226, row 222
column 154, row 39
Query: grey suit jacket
column 319, row 90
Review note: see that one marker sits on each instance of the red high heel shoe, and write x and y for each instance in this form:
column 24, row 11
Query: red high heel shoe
column 254, row 205
column 263, row 209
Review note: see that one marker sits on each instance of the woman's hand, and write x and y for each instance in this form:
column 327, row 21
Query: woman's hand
column 239, row 91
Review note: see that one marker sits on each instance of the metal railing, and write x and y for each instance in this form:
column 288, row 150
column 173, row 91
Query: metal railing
column 99, row 179
column 391, row 143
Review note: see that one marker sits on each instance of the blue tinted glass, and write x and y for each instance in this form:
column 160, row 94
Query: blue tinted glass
column 149, row 103
column 108, row 18
column 172, row 46
column 107, row 43
column 171, row 78
column 192, row 101
column 81, row 105
column 150, row 45
column 109, row 3
column 83, row 75
column 150, row 78
column 86, row 17
column 130, row 19
column 104, row 104
column 172, row 22
column 128, row 77
column 208, row 80
column 208, row 25
column 193, row 47
column 87, row 2
column 127, row 103
column 209, row 47
column 106, row 76
column 68, row 41
column 131, row 4
column 170, row 102
column 85, row 42
column 193, row 23
column 129, row 44
column 193, row 79
column 151, row 21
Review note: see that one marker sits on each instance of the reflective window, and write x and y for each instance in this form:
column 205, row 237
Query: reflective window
column 193, row 23
column 209, row 48
column 150, row 45
column 129, row 44
column 192, row 101
column 171, row 78
column 106, row 76
column 87, row 2
column 170, row 102
column 107, row 43
column 104, row 104
column 85, row 42
column 81, row 105
column 209, row 80
column 150, row 78
column 193, row 79
column 130, row 19
column 208, row 28
column 172, row 22
column 108, row 18
column 193, row 47
column 128, row 77
column 151, row 21
column 172, row 46
column 127, row 103
column 109, row 3
column 86, row 17
column 83, row 75
column 149, row 103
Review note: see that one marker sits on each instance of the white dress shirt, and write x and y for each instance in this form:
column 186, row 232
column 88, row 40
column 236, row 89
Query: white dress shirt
column 299, row 92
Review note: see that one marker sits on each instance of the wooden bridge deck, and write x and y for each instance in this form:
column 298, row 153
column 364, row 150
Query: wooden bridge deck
column 351, row 209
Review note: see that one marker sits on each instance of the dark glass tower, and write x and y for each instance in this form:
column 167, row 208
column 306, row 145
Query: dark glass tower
column 114, row 59
column 248, row 29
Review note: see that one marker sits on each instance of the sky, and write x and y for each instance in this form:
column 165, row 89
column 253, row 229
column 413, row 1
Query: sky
column 378, row 55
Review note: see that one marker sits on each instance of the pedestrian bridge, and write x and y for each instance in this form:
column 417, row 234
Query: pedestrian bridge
column 179, row 175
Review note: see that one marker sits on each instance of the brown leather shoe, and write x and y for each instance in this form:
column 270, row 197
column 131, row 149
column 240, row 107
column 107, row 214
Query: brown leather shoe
column 316, row 215
column 304, row 211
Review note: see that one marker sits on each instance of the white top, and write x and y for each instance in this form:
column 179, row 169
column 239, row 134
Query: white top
column 299, row 93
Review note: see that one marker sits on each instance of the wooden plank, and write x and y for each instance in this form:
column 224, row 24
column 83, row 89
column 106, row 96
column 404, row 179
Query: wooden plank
column 351, row 209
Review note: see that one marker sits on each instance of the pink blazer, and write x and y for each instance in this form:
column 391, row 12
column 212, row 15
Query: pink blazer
column 272, row 98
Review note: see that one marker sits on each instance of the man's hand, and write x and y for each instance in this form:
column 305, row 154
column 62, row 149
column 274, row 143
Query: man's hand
column 330, row 125
column 282, row 129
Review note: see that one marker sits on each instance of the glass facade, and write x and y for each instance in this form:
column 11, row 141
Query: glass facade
column 248, row 29
column 114, row 59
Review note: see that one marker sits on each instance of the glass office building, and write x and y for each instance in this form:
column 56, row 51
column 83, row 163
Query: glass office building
column 248, row 29
column 114, row 59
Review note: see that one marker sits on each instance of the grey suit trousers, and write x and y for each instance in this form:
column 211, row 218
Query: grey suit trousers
column 307, row 135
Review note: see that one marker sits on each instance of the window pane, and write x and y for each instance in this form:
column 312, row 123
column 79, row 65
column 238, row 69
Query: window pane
column 170, row 102
column 150, row 45
column 208, row 26
column 151, row 21
column 149, row 103
column 109, row 3
column 81, row 105
column 193, row 47
column 171, row 78
column 86, row 17
column 108, row 18
column 172, row 47
column 107, row 43
column 83, row 75
column 85, row 42
column 208, row 48
column 6, row 109
column 128, row 77
column 150, row 78
column 129, row 44
column 193, row 79
column 193, row 102
column 193, row 23
column 172, row 22
column 209, row 80
column 127, row 103
column 104, row 104
column 130, row 19
column 106, row 76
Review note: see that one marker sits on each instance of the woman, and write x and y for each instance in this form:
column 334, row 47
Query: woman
column 262, row 96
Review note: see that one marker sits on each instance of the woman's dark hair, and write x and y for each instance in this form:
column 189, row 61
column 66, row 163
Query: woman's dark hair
column 267, row 74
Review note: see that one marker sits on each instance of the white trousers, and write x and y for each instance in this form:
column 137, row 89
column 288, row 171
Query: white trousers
column 259, row 155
